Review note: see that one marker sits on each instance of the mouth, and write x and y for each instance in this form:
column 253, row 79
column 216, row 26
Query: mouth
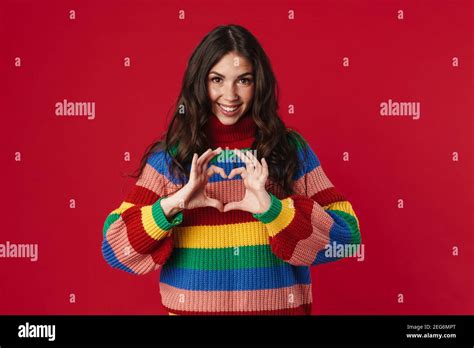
column 229, row 110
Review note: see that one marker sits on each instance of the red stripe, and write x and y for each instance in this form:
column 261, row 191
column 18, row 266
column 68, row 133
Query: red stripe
column 211, row 216
column 163, row 251
column 328, row 196
column 284, row 243
column 140, row 195
column 304, row 309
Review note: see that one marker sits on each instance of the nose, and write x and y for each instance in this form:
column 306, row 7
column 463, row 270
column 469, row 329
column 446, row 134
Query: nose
column 229, row 93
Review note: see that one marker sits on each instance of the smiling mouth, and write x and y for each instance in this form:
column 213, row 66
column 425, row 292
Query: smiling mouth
column 229, row 108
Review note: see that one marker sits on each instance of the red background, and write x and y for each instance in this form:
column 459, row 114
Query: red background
column 407, row 251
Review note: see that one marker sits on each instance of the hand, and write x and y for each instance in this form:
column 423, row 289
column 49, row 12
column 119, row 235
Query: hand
column 193, row 194
column 256, row 199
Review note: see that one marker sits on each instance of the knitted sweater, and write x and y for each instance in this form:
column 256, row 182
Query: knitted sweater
column 232, row 263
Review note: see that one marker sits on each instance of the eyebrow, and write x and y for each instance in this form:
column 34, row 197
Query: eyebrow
column 241, row 75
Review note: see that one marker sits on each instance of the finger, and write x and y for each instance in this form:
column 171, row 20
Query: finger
column 257, row 166
column 252, row 158
column 233, row 206
column 209, row 157
column 238, row 171
column 264, row 166
column 205, row 158
column 193, row 172
column 202, row 157
column 248, row 162
column 211, row 202
column 214, row 169
column 244, row 158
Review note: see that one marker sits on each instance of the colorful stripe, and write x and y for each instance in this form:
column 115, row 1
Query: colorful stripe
column 220, row 236
column 224, row 258
column 136, row 235
column 235, row 279
column 233, row 263
column 301, row 226
column 117, row 251
column 284, row 299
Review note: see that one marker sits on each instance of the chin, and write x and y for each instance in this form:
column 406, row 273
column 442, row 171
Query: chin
column 228, row 121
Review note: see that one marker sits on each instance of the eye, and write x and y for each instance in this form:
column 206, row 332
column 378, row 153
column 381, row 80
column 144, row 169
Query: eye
column 246, row 81
column 213, row 79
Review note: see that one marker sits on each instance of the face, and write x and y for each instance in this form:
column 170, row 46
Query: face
column 230, row 86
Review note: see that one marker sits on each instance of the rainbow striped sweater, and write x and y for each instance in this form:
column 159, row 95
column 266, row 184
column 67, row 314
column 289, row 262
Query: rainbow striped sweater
column 233, row 263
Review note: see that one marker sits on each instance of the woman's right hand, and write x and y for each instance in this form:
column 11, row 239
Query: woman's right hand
column 193, row 194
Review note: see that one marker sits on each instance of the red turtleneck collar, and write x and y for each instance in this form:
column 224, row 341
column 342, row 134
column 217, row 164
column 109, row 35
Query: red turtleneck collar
column 239, row 135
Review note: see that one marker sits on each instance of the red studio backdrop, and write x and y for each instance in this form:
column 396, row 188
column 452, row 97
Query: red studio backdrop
column 408, row 178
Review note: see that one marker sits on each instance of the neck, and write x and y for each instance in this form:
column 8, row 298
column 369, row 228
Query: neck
column 240, row 134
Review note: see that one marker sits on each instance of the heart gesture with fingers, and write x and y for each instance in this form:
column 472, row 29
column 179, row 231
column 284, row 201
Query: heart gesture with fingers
column 193, row 194
column 199, row 175
column 256, row 199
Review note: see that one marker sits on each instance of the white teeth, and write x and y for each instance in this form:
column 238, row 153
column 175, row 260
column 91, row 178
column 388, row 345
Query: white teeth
column 229, row 109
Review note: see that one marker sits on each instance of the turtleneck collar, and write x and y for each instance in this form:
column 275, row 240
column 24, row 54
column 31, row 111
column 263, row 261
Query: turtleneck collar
column 240, row 134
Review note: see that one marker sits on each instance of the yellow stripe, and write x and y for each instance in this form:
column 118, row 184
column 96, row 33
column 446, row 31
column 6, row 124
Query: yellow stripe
column 344, row 206
column 124, row 206
column 172, row 313
column 220, row 236
column 149, row 224
column 285, row 217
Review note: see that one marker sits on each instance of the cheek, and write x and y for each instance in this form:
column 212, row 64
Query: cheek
column 213, row 93
column 247, row 94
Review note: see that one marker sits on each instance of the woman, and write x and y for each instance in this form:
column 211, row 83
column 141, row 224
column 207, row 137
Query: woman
column 237, row 227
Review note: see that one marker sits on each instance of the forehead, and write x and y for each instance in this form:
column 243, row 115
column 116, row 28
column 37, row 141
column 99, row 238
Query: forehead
column 232, row 63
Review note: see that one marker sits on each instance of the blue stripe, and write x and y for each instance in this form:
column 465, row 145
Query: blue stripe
column 111, row 259
column 161, row 160
column 227, row 166
column 307, row 161
column 237, row 279
column 339, row 233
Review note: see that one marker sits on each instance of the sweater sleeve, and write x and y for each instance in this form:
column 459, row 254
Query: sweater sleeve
column 136, row 235
column 312, row 225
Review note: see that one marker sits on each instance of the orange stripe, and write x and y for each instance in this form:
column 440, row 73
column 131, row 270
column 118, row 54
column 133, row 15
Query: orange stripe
column 125, row 253
column 235, row 301
column 156, row 182
column 314, row 182
column 306, row 249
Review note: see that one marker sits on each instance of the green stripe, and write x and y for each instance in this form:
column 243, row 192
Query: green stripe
column 272, row 212
column 224, row 258
column 297, row 139
column 161, row 219
column 109, row 221
column 352, row 223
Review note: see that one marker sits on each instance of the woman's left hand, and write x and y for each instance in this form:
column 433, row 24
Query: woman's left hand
column 256, row 199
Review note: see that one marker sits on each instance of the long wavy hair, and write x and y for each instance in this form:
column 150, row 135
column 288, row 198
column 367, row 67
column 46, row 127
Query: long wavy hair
column 186, row 135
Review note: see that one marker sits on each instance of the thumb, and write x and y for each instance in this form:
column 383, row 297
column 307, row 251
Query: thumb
column 211, row 202
column 233, row 206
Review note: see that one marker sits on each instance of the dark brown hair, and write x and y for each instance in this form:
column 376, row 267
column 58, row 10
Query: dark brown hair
column 185, row 134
